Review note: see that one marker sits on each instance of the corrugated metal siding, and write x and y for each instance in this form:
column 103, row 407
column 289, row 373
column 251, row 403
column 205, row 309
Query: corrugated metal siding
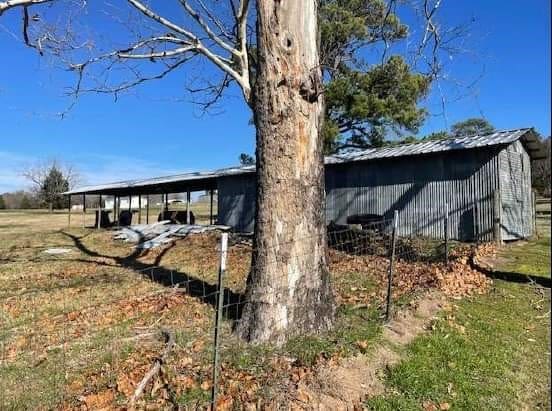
column 515, row 190
column 419, row 188
column 236, row 202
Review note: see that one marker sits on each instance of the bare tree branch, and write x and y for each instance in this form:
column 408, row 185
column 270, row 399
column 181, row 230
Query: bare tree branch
column 206, row 28
column 173, row 48
column 216, row 21
column 49, row 180
column 431, row 34
column 241, row 76
column 214, row 91
column 139, row 79
column 9, row 4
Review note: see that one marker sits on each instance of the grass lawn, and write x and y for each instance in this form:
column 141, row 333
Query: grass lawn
column 489, row 352
column 530, row 258
column 73, row 327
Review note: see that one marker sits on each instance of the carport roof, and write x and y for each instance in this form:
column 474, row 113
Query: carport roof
column 200, row 180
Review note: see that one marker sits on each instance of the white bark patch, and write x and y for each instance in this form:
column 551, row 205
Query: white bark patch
column 281, row 317
column 293, row 276
column 294, row 269
column 303, row 15
column 279, row 227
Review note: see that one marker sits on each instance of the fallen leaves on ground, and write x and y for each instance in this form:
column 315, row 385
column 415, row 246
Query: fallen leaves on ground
column 458, row 279
column 359, row 280
column 100, row 401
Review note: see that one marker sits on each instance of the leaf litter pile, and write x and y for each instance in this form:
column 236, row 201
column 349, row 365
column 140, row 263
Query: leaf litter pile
column 82, row 330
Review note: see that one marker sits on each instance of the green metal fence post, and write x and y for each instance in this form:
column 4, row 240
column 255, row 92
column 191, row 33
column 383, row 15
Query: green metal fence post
column 391, row 262
column 446, row 234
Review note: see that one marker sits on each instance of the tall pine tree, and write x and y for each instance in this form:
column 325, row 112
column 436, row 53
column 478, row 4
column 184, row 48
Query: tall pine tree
column 51, row 189
column 364, row 102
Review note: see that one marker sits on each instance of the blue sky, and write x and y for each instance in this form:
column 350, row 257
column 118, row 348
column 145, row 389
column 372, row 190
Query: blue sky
column 156, row 130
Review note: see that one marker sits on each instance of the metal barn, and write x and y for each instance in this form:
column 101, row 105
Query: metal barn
column 469, row 176
column 483, row 181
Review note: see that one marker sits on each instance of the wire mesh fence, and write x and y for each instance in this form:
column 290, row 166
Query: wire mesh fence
column 169, row 333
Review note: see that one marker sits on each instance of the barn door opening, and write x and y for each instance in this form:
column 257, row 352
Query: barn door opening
column 466, row 230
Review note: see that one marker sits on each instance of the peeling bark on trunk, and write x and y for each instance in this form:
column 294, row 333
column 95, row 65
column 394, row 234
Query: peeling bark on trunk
column 289, row 287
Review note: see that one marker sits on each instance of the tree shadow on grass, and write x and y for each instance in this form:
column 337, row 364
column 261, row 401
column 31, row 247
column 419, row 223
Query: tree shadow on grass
column 194, row 286
column 511, row 276
column 519, row 277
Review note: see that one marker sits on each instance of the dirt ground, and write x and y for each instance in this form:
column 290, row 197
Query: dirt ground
column 346, row 383
column 80, row 330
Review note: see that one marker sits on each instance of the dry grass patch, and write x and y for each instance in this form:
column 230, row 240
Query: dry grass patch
column 80, row 329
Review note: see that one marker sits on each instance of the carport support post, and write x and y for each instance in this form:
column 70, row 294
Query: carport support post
column 69, row 213
column 147, row 209
column 99, row 213
column 83, row 210
column 118, row 210
column 114, row 208
column 218, row 318
column 497, row 217
column 446, row 234
column 211, row 209
column 139, row 208
column 391, row 263
column 130, row 203
column 188, row 207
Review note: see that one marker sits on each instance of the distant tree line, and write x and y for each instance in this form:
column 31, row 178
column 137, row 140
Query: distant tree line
column 465, row 128
column 18, row 200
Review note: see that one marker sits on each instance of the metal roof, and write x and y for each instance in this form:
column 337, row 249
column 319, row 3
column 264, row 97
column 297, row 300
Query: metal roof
column 460, row 143
column 189, row 179
column 202, row 180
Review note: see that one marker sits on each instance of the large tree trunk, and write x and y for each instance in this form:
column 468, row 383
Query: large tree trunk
column 289, row 287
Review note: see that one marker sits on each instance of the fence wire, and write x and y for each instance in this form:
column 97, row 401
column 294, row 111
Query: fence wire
column 97, row 330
